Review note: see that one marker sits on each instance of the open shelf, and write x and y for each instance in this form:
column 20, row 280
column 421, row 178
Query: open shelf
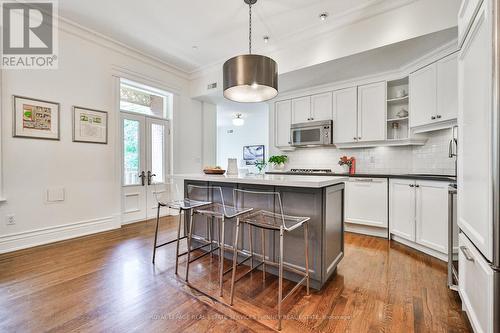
column 397, row 119
column 403, row 99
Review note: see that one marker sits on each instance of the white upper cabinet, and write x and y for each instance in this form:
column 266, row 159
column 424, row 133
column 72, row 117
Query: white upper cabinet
column 432, row 215
column 345, row 111
column 475, row 121
column 321, row 107
column 423, row 96
column 447, row 88
column 372, row 112
column 301, row 109
column 283, row 121
column 434, row 93
column 402, row 208
column 466, row 13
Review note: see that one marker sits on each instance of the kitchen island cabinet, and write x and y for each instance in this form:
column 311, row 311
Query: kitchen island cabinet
column 319, row 198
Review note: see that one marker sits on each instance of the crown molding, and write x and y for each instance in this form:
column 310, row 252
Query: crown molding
column 70, row 27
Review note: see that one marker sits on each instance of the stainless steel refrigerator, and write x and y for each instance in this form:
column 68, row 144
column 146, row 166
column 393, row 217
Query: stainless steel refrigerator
column 478, row 175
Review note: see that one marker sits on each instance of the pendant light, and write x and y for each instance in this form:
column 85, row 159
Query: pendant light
column 250, row 78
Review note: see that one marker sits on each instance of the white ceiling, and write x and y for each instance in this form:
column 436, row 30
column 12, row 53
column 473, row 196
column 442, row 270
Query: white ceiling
column 168, row 29
column 379, row 60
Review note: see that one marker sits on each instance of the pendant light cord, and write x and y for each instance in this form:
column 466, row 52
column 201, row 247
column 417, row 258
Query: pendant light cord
column 250, row 28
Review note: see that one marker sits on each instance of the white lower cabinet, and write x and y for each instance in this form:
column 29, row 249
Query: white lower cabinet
column 366, row 206
column 432, row 215
column 476, row 286
column 418, row 214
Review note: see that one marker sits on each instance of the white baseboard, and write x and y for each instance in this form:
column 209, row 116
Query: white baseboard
column 26, row 239
column 365, row 230
column 421, row 248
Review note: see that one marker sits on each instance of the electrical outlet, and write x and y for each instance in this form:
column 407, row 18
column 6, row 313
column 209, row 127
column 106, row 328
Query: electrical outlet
column 10, row 219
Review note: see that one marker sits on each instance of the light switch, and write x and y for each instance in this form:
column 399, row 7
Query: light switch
column 55, row 194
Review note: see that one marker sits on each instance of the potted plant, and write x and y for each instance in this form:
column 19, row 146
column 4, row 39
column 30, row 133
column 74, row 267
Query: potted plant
column 278, row 161
column 260, row 165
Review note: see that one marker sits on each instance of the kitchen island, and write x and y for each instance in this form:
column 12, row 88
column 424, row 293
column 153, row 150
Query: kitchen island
column 319, row 198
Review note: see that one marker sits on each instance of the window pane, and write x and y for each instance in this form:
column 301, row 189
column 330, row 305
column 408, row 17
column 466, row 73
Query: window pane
column 141, row 101
column 131, row 153
column 157, row 152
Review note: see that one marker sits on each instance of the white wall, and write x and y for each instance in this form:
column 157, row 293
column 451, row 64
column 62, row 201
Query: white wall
column 89, row 173
column 253, row 132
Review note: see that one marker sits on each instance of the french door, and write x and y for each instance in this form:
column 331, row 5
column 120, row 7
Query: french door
column 144, row 165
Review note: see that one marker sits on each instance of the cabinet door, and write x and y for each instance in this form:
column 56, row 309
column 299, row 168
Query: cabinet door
column 321, row 107
column 423, row 96
column 366, row 201
column 372, row 112
column 476, row 286
column 345, row 110
column 432, row 215
column 475, row 121
column 447, row 88
column 301, row 109
column 282, row 122
column 402, row 208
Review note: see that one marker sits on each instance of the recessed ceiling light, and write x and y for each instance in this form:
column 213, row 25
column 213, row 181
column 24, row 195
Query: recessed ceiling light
column 323, row 16
column 266, row 39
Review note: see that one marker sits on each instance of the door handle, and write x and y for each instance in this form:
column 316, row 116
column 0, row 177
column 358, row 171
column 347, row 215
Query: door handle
column 142, row 175
column 433, row 117
column 466, row 253
column 150, row 176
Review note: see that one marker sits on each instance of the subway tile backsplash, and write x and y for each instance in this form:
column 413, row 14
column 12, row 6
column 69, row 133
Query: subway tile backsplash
column 430, row 158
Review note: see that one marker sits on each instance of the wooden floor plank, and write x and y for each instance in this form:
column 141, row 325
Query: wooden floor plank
column 106, row 282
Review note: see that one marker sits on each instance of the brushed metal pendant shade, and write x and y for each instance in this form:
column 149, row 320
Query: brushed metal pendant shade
column 250, row 78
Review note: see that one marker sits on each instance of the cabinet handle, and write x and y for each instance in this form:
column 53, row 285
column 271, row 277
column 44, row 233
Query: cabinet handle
column 466, row 253
column 355, row 138
column 433, row 117
column 312, row 118
column 364, row 179
column 411, row 185
column 438, row 116
column 359, row 138
column 417, row 185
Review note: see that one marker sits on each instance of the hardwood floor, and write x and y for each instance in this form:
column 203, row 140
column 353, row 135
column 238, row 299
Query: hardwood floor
column 106, row 282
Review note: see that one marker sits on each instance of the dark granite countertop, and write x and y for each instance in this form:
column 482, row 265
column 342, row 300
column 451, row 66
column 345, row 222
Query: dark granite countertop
column 420, row 176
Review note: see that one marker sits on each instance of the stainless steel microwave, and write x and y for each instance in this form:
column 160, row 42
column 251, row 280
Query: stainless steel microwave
column 312, row 133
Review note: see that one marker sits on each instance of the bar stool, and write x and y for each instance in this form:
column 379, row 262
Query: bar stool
column 183, row 205
column 273, row 219
column 218, row 211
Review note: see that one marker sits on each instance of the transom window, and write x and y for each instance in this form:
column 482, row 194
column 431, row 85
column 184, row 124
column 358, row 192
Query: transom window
column 137, row 99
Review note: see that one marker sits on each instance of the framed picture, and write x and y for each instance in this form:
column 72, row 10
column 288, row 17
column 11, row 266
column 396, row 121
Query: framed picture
column 90, row 125
column 35, row 118
column 253, row 154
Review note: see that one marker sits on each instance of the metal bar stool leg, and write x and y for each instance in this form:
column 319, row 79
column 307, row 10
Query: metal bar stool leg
column 209, row 234
column 235, row 259
column 178, row 241
column 156, row 232
column 221, row 257
column 190, row 234
column 306, row 243
column 250, row 238
column 280, row 288
column 263, row 249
